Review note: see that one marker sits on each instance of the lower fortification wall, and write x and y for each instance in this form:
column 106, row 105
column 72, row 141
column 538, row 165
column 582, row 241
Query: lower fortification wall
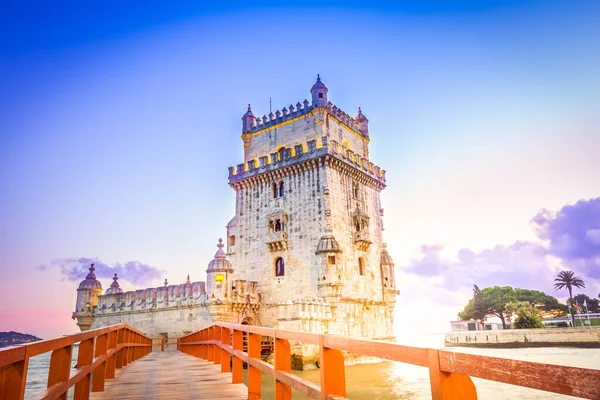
column 511, row 338
column 172, row 322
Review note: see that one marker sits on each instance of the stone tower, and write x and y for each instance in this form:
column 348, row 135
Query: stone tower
column 308, row 221
column 87, row 298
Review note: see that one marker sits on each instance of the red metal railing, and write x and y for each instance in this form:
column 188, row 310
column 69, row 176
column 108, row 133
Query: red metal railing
column 101, row 352
column 449, row 372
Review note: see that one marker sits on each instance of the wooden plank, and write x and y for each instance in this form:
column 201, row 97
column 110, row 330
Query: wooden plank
column 171, row 375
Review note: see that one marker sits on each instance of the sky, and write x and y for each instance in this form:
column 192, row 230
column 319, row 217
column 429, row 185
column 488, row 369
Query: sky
column 118, row 123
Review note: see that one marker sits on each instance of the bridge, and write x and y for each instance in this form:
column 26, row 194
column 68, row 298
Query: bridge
column 121, row 362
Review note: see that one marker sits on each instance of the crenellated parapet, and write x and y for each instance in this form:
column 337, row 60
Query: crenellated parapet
column 164, row 297
column 303, row 156
column 286, row 115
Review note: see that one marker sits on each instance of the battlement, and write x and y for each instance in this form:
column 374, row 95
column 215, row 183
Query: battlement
column 152, row 298
column 304, row 152
column 301, row 109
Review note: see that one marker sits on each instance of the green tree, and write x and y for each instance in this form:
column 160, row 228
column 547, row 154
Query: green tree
column 568, row 280
column 487, row 302
column 592, row 304
column 527, row 315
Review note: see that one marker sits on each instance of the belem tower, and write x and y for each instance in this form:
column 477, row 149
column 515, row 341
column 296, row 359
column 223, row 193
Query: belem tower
column 304, row 250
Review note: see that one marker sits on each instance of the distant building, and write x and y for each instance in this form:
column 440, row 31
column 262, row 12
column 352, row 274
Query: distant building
column 304, row 250
column 464, row 326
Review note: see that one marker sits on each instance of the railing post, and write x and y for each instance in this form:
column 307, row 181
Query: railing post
column 238, row 364
column 217, row 351
column 162, row 344
column 203, row 347
column 120, row 340
column 84, row 358
column 283, row 363
column 210, row 355
column 333, row 377
column 225, row 359
column 111, row 362
column 13, row 378
column 125, row 346
column 254, row 390
column 446, row 385
column 99, row 373
column 60, row 367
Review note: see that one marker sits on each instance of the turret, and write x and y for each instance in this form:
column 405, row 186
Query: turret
column 328, row 251
column 363, row 123
column 87, row 298
column 218, row 276
column 319, row 93
column 248, row 120
column 114, row 287
column 388, row 277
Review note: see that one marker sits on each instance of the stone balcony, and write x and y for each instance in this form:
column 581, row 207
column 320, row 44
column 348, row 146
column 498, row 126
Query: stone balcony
column 277, row 240
column 362, row 239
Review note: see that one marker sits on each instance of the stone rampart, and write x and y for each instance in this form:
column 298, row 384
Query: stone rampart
column 304, row 152
column 511, row 338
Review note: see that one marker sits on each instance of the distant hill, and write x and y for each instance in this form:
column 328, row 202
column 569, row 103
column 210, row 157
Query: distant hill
column 13, row 338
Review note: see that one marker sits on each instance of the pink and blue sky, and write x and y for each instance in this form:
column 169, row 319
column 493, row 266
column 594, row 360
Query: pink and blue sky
column 118, row 122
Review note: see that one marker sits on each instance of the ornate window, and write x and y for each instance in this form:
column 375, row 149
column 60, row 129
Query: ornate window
column 278, row 226
column 361, row 266
column 279, row 267
column 281, row 189
column 274, row 190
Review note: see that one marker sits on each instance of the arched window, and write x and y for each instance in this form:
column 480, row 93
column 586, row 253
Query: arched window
column 281, row 190
column 274, row 190
column 281, row 152
column 355, row 191
column 361, row 266
column 357, row 227
column 278, row 226
column 279, row 267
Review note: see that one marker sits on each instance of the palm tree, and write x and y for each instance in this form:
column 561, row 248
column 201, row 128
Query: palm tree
column 567, row 279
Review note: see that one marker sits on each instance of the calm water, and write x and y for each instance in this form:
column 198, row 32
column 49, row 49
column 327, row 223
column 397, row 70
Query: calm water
column 391, row 380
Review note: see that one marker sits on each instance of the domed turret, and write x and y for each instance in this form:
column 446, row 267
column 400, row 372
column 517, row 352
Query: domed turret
column 388, row 276
column 248, row 120
column 114, row 287
column 363, row 123
column 386, row 259
column 90, row 281
column 218, row 275
column 87, row 298
column 328, row 244
column 319, row 93
column 220, row 262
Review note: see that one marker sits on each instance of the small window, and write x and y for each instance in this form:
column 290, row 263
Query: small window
column 278, row 226
column 274, row 190
column 219, row 280
column 320, row 95
column 281, row 189
column 357, row 227
column 279, row 267
column 231, row 240
column 361, row 266
column 281, row 152
column 355, row 193
column 331, row 260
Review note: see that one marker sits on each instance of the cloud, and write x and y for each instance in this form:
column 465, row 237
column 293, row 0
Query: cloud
column 573, row 235
column 75, row 269
column 569, row 238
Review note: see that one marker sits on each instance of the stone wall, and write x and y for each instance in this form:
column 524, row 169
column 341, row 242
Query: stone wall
column 564, row 337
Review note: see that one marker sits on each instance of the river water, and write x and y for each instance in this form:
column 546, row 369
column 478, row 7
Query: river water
column 392, row 380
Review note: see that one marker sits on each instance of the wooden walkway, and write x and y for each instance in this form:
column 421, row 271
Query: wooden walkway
column 171, row 375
